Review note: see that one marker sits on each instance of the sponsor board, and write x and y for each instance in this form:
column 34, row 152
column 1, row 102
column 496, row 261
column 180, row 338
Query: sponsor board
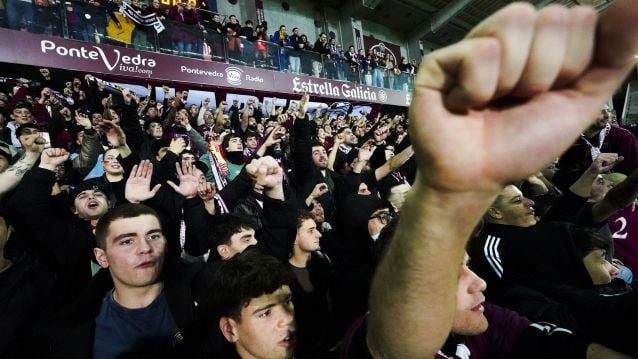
column 47, row 51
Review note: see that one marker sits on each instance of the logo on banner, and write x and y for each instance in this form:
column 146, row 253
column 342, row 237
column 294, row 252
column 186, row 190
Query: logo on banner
column 383, row 97
column 380, row 50
column 234, row 75
column 111, row 58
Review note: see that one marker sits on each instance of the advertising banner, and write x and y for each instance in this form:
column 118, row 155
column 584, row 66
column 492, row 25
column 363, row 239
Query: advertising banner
column 380, row 48
column 45, row 51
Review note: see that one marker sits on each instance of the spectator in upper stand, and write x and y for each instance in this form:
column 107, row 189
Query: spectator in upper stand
column 389, row 64
column 353, row 65
column 377, row 72
column 306, row 63
column 280, row 37
column 183, row 34
column 364, row 68
column 405, row 69
column 261, row 45
column 19, row 11
column 232, row 27
column 249, row 50
column 294, row 58
column 321, row 46
column 231, row 32
column 142, row 35
column 334, row 64
column 215, row 35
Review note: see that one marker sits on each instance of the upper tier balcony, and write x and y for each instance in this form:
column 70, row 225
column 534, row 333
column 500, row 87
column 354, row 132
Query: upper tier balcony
column 84, row 37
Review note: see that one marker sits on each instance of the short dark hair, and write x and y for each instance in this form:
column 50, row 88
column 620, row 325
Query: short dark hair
column 302, row 216
column 126, row 210
column 251, row 133
column 587, row 240
column 148, row 122
column 229, row 137
column 244, row 277
column 222, row 227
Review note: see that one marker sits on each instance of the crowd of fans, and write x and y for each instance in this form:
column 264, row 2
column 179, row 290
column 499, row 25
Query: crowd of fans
column 194, row 31
column 133, row 228
column 221, row 178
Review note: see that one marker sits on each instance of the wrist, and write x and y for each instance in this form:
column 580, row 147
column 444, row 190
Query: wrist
column 276, row 192
column 48, row 166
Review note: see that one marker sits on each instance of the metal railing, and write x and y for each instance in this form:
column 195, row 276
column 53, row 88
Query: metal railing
column 90, row 23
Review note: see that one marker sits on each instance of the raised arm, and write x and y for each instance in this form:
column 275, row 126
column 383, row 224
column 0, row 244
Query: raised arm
column 393, row 163
column 475, row 127
column 10, row 178
column 617, row 198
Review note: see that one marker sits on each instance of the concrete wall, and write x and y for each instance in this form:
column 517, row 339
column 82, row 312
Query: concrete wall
column 301, row 14
column 244, row 10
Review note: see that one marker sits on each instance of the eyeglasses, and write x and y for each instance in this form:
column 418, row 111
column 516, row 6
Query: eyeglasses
column 383, row 217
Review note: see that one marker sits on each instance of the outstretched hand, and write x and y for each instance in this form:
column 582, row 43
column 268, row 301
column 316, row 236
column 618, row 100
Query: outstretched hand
column 516, row 91
column 138, row 186
column 188, row 182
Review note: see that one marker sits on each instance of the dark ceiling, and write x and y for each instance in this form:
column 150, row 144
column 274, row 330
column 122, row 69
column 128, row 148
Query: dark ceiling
column 413, row 17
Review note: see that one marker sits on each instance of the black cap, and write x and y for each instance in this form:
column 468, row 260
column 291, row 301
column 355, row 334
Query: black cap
column 95, row 184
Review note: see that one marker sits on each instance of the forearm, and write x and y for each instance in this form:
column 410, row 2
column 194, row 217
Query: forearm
column 426, row 252
column 89, row 152
column 332, row 157
column 625, row 192
column 617, row 198
column 10, row 178
column 582, row 186
column 200, row 116
column 198, row 141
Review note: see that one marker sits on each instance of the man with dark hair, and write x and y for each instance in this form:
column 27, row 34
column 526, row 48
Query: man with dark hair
column 311, row 288
column 138, row 287
column 234, row 150
column 600, row 137
column 294, row 58
column 231, row 234
column 20, row 114
column 252, row 294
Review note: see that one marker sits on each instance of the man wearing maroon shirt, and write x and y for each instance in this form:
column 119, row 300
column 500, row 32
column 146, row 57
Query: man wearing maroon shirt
column 599, row 137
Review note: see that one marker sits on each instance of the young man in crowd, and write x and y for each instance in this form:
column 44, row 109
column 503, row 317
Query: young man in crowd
column 252, row 293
